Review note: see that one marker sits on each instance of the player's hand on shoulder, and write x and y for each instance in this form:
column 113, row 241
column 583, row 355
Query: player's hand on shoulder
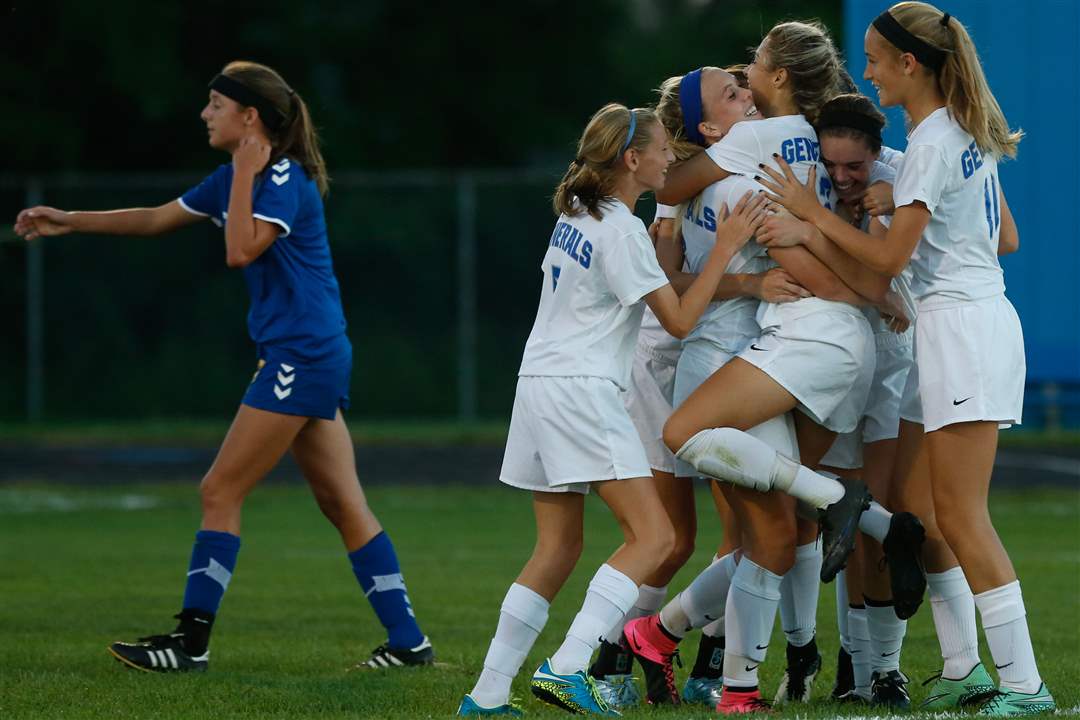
column 251, row 155
column 42, row 221
column 878, row 199
column 735, row 228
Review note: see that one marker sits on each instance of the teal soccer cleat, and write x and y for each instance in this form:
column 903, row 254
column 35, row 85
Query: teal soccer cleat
column 575, row 693
column 469, row 708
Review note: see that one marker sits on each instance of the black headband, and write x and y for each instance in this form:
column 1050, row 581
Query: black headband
column 891, row 29
column 848, row 119
column 244, row 95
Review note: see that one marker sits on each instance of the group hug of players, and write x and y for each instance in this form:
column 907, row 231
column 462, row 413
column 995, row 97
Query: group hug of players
column 808, row 308
column 815, row 323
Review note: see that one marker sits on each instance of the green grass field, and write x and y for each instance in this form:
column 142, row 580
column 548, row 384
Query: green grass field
column 80, row 567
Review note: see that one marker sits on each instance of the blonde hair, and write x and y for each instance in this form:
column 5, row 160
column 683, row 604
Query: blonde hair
column 297, row 136
column 590, row 179
column 669, row 110
column 807, row 52
column 961, row 78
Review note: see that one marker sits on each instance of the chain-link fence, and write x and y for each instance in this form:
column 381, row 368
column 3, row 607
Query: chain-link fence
column 439, row 274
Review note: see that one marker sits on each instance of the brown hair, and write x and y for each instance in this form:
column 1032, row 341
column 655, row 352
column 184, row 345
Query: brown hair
column 297, row 136
column 961, row 79
column 807, row 52
column 591, row 176
column 853, row 104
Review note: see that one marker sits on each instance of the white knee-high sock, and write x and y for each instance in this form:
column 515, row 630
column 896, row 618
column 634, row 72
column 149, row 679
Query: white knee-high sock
column 886, row 636
column 751, row 612
column 742, row 459
column 611, row 594
column 702, row 602
column 860, row 649
column 953, row 607
column 842, row 611
column 1004, row 621
column 524, row 614
column 875, row 521
column 799, row 595
column 650, row 599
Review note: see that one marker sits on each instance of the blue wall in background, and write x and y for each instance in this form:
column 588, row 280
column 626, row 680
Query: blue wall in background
column 1031, row 54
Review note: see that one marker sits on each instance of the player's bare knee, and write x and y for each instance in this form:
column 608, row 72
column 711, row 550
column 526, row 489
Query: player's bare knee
column 676, row 433
column 216, row 494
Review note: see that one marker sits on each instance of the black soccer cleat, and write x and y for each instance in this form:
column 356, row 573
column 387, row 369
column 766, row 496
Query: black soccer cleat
column 613, row 659
column 385, row 656
column 903, row 553
column 159, row 653
column 888, row 690
column 845, row 676
column 839, row 524
column 803, row 665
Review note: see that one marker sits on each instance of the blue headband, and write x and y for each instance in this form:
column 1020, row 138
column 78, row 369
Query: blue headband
column 690, row 103
column 630, row 133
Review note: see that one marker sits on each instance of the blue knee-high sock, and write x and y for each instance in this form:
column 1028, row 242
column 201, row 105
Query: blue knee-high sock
column 213, row 559
column 376, row 567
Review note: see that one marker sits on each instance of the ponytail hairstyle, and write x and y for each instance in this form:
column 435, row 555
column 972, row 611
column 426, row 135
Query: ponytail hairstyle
column 295, row 135
column 961, row 77
column 590, row 179
column 807, row 52
column 852, row 116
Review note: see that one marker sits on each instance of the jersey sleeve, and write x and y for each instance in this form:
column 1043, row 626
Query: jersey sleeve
column 631, row 269
column 739, row 152
column 922, row 178
column 882, row 172
column 277, row 200
column 208, row 197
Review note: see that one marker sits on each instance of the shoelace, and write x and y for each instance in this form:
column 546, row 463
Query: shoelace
column 932, row 678
column 669, row 672
column 594, row 693
column 515, row 703
column 159, row 638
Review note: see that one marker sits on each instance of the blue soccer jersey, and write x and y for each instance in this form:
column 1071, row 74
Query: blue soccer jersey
column 295, row 299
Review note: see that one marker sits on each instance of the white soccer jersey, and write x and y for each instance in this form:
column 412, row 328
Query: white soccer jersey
column 901, row 284
column 751, row 142
column 890, row 157
column 956, row 258
column 731, row 324
column 595, row 274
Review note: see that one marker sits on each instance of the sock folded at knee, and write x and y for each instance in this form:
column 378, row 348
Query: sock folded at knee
column 610, row 596
column 521, row 619
column 953, row 608
column 1004, row 620
column 376, row 568
column 875, row 521
column 751, row 612
column 886, row 635
column 213, row 560
column 742, row 459
column 650, row 600
column 799, row 595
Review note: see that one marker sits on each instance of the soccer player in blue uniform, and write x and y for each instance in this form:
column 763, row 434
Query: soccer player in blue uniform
column 268, row 200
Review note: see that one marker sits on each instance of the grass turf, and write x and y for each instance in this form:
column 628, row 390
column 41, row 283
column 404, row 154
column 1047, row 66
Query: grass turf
column 80, row 567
